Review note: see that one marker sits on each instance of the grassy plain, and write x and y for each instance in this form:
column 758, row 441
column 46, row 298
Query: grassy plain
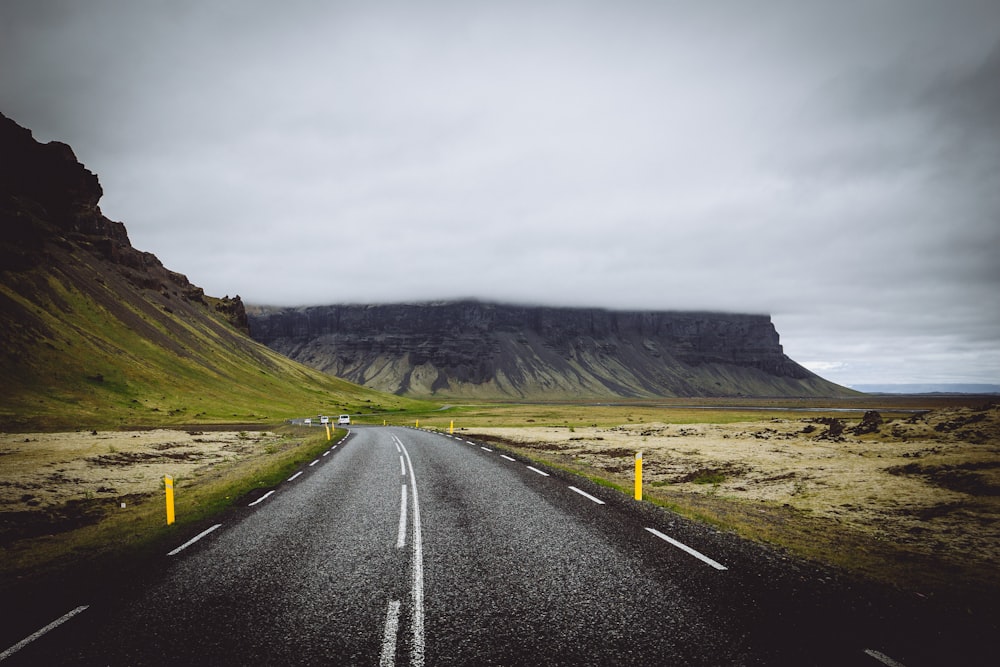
column 914, row 501
column 99, row 496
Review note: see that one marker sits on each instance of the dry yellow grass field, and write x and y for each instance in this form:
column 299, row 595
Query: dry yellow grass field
column 920, row 488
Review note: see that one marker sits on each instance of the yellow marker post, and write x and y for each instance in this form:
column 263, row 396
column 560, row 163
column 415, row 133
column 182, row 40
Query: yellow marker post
column 638, row 476
column 327, row 432
column 168, row 483
column 418, row 423
column 451, row 429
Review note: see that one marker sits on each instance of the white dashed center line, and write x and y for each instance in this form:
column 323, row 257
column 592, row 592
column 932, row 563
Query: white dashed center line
column 540, row 472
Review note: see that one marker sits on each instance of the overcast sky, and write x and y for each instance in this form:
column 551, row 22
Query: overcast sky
column 835, row 164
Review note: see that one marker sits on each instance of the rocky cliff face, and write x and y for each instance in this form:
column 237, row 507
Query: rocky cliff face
column 49, row 203
column 85, row 318
column 505, row 351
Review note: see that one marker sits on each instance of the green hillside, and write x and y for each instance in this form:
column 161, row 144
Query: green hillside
column 98, row 334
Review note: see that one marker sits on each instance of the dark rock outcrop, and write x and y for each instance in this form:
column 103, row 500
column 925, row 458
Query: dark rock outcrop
column 72, row 289
column 470, row 348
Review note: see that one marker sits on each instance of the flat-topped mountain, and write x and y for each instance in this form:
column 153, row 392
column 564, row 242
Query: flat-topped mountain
column 489, row 350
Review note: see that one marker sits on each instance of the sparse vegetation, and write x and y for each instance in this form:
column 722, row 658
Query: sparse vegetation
column 87, row 517
column 911, row 497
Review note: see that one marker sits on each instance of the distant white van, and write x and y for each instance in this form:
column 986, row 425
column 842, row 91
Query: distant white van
column 344, row 419
column 324, row 420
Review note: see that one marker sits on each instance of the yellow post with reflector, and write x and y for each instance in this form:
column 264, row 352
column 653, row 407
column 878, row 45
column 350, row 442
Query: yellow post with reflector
column 638, row 476
column 168, row 484
column 451, row 429
column 327, row 432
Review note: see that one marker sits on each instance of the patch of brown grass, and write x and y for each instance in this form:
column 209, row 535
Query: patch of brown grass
column 914, row 502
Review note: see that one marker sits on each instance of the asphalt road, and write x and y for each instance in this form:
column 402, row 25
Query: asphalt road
column 404, row 547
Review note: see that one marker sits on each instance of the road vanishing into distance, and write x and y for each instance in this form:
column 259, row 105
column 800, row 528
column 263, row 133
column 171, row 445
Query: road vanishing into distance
column 405, row 547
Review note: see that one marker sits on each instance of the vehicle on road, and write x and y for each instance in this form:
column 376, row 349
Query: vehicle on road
column 344, row 419
column 324, row 420
column 308, row 421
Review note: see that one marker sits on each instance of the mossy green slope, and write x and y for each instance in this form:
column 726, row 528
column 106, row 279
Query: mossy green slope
column 96, row 333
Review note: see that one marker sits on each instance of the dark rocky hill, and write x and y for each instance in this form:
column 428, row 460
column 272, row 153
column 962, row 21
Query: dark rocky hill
column 96, row 332
column 487, row 350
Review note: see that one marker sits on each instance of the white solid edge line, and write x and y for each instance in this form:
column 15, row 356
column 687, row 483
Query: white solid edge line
column 388, row 655
column 504, row 456
column 261, row 499
column 401, row 534
column 883, row 658
column 540, row 472
column 587, row 495
column 193, row 540
column 35, row 635
column 294, row 476
column 683, row 547
column 485, row 448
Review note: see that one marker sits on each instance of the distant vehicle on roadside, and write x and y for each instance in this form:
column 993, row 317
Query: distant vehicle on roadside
column 324, row 420
column 308, row 421
column 344, row 419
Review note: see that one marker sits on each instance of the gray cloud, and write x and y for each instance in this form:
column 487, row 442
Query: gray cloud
column 834, row 164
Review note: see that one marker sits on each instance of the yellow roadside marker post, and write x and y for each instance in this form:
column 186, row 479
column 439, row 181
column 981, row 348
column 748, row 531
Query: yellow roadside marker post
column 451, row 429
column 638, row 476
column 327, row 432
column 168, row 483
column 418, row 423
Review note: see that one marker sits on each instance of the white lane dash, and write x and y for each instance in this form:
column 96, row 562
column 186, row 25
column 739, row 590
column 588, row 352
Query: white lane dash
column 683, row 547
column 587, row 495
column 35, row 635
column 333, row 448
column 401, row 534
column 402, row 466
column 314, row 463
column 261, row 499
column 469, row 442
column 504, row 456
column 388, row 656
column 292, row 478
column 397, row 447
column 485, row 448
column 883, row 658
column 327, row 452
column 193, row 540
column 540, row 472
